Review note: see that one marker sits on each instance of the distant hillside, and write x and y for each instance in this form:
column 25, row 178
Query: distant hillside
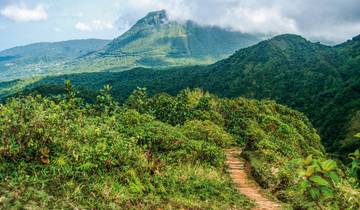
column 321, row 81
column 41, row 58
column 156, row 41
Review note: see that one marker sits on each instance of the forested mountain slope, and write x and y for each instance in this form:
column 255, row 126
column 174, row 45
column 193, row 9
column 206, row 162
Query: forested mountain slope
column 157, row 41
column 321, row 81
column 154, row 41
column 318, row 80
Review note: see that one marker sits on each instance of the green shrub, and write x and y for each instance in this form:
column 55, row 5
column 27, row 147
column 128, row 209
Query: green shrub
column 318, row 184
column 355, row 167
column 158, row 152
column 207, row 131
column 64, row 153
column 159, row 137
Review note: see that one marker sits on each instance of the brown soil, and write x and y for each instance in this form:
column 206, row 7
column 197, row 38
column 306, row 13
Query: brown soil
column 244, row 184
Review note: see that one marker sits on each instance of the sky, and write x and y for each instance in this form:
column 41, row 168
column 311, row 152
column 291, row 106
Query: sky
column 28, row 21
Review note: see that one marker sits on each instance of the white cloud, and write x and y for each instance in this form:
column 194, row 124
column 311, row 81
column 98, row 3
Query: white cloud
column 95, row 25
column 317, row 20
column 22, row 13
column 234, row 14
column 250, row 20
column 340, row 33
column 82, row 27
column 101, row 25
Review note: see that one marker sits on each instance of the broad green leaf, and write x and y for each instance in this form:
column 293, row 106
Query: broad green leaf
column 327, row 192
column 303, row 185
column 353, row 171
column 354, row 165
column 328, row 165
column 317, row 166
column 315, row 193
column 319, row 180
column 333, row 175
column 300, row 173
column 355, row 155
column 308, row 160
column 310, row 171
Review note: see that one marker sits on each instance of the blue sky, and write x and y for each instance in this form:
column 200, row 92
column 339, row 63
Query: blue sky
column 28, row 21
column 23, row 22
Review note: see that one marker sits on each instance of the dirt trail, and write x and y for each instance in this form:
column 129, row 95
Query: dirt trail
column 244, row 184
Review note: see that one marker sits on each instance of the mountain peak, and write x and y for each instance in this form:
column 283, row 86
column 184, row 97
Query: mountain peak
column 288, row 37
column 290, row 42
column 157, row 13
column 356, row 38
column 155, row 18
column 155, row 41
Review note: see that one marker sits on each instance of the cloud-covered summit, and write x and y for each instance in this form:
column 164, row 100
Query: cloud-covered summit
column 27, row 21
column 324, row 20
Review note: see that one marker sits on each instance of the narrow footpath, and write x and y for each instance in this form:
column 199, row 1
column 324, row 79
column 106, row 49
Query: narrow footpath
column 243, row 182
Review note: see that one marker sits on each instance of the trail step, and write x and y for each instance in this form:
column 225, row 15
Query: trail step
column 243, row 183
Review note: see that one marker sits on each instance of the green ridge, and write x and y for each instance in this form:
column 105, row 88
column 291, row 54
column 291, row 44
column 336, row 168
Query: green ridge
column 321, row 81
column 154, row 41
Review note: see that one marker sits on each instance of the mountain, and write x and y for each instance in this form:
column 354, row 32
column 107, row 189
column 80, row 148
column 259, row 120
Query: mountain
column 39, row 58
column 321, row 81
column 155, row 35
column 154, row 41
column 157, row 41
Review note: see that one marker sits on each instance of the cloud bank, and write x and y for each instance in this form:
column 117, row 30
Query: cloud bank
column 324, row 20
column 95, row 25
column 23, row 13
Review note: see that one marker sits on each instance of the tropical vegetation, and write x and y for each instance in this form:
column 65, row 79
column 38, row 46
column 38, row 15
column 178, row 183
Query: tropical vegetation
column 318, row 80
column 160, row 151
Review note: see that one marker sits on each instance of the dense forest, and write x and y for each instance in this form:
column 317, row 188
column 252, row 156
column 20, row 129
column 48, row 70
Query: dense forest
column 319, row 80
column 162, row 151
